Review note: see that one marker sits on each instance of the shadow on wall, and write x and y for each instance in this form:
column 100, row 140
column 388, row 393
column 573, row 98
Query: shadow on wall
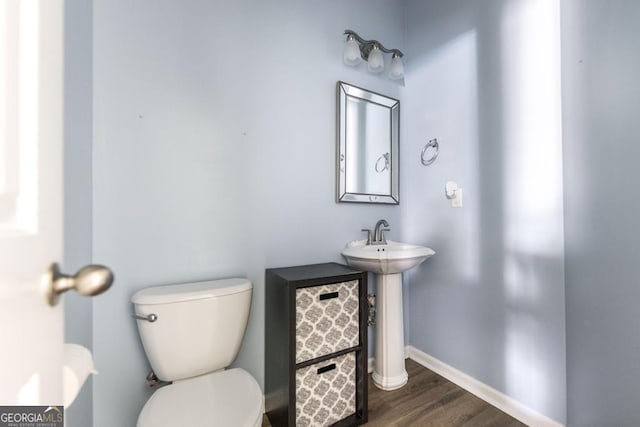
column 491, row 302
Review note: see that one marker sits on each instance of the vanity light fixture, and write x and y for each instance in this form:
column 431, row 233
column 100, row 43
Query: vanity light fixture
column 356, row 49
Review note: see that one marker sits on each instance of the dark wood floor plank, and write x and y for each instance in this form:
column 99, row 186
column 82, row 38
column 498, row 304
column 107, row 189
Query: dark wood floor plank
column 429, row 400
column 453, row 413
column 490, row 416
column 424, row 390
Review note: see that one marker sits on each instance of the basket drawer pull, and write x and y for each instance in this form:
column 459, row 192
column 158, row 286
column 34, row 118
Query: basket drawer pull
column 328, row 296
column 326, row 368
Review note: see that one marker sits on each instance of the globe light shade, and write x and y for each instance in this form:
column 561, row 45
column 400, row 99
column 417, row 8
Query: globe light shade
column 351, row 52
column 376, row 60
column 396, row 69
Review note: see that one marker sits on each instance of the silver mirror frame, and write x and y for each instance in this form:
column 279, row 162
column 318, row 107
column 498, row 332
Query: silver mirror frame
column 344, row 91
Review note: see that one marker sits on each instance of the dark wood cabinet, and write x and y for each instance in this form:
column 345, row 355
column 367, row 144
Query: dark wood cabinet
column 316, row 345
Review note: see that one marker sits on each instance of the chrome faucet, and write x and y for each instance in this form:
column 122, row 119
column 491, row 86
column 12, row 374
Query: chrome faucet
column 378, row 235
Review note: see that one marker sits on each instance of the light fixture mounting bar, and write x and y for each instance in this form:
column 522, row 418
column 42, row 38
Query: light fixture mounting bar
column 367, row 45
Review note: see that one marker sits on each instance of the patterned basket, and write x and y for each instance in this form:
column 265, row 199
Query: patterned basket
column 326, row 391
column 326, row 319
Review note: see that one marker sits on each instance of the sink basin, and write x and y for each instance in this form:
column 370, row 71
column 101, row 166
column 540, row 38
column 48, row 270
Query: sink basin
column 392, row 258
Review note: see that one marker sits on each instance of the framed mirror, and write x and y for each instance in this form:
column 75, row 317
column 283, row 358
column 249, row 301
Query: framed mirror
column 368, row 128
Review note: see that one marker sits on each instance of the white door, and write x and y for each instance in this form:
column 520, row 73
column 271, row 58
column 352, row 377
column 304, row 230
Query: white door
column 31, row 331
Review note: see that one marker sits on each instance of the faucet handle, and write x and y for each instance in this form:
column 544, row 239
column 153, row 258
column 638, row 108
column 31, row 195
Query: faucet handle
column 368, row 235
column 382, row 238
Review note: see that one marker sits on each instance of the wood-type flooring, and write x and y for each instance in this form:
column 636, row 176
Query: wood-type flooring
column 429, row 400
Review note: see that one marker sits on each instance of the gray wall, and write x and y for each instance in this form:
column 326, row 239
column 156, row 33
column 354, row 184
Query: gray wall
column 77, row 185
column 214, row 157
column 601, row 65
column 491, row 301
column 214, row 148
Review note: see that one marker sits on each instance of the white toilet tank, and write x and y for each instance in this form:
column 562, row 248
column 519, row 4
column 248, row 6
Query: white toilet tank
column 199, row 326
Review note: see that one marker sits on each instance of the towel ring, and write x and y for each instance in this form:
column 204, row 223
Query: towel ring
column 381, row 167
column 433, row 143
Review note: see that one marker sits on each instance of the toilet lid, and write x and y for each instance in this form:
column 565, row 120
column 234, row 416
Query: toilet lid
column 227, row 398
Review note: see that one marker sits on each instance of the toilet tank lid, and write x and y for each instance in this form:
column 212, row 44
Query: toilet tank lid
column 190, row 291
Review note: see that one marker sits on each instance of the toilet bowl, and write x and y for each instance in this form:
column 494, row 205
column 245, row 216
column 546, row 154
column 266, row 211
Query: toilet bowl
column 227, row 398
column 195, row 333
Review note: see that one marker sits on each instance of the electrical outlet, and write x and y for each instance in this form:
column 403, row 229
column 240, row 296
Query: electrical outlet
column 456, row 202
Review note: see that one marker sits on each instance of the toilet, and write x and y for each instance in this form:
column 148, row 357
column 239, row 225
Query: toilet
column 190, row 333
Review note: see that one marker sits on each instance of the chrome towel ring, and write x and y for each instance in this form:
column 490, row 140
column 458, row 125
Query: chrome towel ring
column 435, row 149
column 382, row 164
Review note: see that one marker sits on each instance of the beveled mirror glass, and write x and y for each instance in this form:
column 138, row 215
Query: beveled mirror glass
column 368, row 137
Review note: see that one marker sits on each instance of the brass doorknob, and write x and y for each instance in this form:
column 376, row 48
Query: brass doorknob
column 90, row 280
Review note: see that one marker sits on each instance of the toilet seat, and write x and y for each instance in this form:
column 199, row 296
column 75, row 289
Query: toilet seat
column 224, row 398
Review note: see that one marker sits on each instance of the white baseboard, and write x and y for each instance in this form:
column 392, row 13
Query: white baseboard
column 490, row 395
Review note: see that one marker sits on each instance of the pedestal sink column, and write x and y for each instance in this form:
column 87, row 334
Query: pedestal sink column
column 389, row 372
column 388, row 261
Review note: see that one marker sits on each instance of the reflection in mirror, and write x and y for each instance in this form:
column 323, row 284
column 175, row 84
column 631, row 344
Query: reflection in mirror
column 368, row 138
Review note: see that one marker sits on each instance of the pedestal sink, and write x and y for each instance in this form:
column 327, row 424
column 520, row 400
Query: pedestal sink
column 388, row 261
